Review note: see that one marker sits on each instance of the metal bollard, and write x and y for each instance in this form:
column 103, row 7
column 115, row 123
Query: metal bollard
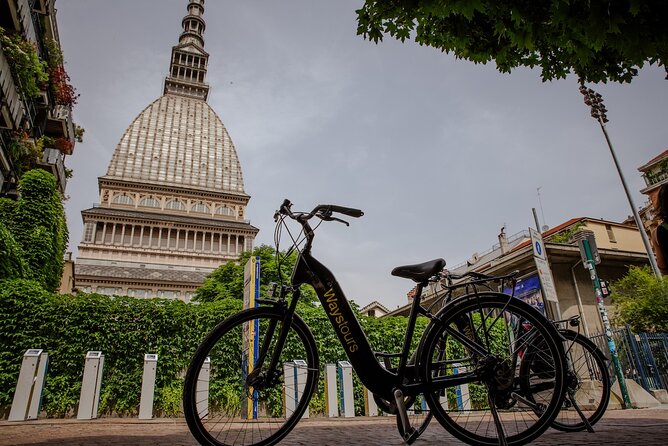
column 370, row 406
column 28, row 395
column 347, row 401
column 90, row 386
column 462, row 391
column 202, row 389
column 148, row 387
column 331, row 395
column 294, row 376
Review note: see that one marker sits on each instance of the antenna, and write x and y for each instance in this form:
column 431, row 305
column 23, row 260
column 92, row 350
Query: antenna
column 540, row 203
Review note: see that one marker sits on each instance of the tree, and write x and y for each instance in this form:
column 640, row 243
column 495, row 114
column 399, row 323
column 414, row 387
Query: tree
column 640, row 301
column 228, row 280
column 597, row 40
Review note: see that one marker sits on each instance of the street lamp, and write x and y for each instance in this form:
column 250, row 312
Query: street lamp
column 598, row 111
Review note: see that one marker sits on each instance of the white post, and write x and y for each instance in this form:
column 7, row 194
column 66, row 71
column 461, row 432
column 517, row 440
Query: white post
column 462, row 391
column 90, row 386
column 202, row 390
column 331, row 396
column 289, row 399
column 28, row 395
column 148, row 387
column 370, row 406
column 347, row 400
column 301, row 373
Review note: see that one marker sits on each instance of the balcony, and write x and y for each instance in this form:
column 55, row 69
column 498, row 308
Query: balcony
column 53, row 161
column 654, row 177
column 11, row 105
column 59, row 123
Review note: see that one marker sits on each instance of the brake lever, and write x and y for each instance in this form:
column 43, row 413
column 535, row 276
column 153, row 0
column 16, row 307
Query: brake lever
column 328, row 217
column 339, row 220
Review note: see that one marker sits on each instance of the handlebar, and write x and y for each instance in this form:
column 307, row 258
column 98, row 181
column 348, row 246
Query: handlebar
column 323, row 211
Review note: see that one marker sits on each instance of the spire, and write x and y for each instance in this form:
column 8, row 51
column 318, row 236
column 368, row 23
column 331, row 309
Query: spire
column 187, row 69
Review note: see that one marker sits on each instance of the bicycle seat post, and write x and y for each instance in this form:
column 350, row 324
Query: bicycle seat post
column 410, row 328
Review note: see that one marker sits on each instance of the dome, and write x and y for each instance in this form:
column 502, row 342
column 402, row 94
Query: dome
column 178, row 141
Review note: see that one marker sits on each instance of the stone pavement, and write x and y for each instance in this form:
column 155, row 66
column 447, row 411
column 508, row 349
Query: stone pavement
column 646, row 427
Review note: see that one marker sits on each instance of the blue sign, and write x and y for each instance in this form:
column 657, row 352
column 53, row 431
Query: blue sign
column 539, row 248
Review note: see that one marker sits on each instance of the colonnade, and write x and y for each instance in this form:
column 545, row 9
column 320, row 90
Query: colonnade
column 155, row 237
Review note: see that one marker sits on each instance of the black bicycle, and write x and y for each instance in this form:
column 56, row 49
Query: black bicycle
column 252, row 378
column 587, row 376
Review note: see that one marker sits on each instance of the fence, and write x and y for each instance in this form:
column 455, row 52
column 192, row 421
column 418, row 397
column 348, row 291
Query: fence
column 643, row 357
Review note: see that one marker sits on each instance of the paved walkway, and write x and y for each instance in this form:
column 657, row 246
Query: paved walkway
column 645, row 427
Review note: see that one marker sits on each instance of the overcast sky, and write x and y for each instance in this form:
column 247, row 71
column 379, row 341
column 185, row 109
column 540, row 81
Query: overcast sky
column 439, row 153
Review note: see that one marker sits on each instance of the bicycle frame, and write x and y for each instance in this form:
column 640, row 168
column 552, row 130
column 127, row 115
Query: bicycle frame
column 372, row 374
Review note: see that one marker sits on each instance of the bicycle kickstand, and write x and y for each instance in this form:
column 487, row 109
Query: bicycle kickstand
column 410, row 433
column 573, row 399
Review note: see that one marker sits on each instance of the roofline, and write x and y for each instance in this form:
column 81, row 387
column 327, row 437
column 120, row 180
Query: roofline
column 526, row 254
column 161, row 218
column 653, row 161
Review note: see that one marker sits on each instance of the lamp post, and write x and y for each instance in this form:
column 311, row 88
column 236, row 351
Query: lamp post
column 598, row 111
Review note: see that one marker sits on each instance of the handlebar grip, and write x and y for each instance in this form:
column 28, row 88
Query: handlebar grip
column 350, row 212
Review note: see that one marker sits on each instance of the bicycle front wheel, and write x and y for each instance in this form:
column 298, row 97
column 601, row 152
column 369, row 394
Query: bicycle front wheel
column 231, row 395
column 587, row 384
column 493, row 400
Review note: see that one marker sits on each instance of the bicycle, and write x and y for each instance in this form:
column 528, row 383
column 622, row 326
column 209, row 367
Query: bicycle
column 587, row 379
column 247, row 380
column 587, row 382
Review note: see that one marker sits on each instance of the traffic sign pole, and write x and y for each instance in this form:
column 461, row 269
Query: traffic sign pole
column 591, row 266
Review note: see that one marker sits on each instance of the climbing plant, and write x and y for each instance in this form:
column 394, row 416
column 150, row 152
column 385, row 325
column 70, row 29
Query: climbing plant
column 37, row 224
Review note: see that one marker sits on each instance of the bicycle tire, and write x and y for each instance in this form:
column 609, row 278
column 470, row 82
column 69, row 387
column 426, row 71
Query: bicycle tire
column 235, row 414
column 496, row 388
column 588, row 380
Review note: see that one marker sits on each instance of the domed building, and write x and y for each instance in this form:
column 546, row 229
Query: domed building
column 172, row 203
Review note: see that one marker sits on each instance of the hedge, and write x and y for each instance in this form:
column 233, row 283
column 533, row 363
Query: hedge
column 125, row 329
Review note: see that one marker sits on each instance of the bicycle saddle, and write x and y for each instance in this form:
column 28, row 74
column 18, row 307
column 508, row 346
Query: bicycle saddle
column 420, row 272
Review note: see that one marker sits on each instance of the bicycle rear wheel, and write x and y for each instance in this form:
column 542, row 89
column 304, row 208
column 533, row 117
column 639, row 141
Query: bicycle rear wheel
column 493, row 403
column 587, row 384
column 231, row 398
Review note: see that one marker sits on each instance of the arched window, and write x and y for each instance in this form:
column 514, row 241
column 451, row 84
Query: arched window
column 175, row 205
column 224, row 210
column 150, row 202
column 123, row 199
column 201, row 208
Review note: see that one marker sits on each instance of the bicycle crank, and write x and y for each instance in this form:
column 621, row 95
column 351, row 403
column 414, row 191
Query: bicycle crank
column 410, row 433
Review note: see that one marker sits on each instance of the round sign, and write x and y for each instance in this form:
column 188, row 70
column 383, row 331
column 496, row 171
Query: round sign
column 539, row 249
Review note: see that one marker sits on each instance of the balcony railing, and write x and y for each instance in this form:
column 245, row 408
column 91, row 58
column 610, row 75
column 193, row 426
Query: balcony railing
column 655, row 177
column 53, row 161
column 10, row 92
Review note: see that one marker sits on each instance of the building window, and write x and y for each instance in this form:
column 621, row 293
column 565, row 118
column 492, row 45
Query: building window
column 168, row 294
column 139, row 293
column 89, row 232
column 224, row 210
column 611, row 234
column 109, row 291
column 175, row 205
column 123, row 199
column 201, row 208
column 150, row 202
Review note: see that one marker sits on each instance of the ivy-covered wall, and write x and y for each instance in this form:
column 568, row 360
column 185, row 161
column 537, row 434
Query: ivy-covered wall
column 33, row 231
column 125, row 329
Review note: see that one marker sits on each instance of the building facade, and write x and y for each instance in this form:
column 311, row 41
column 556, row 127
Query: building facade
column 619, row 245
column 36, row 127
column 655, row 174
column 172, row 203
